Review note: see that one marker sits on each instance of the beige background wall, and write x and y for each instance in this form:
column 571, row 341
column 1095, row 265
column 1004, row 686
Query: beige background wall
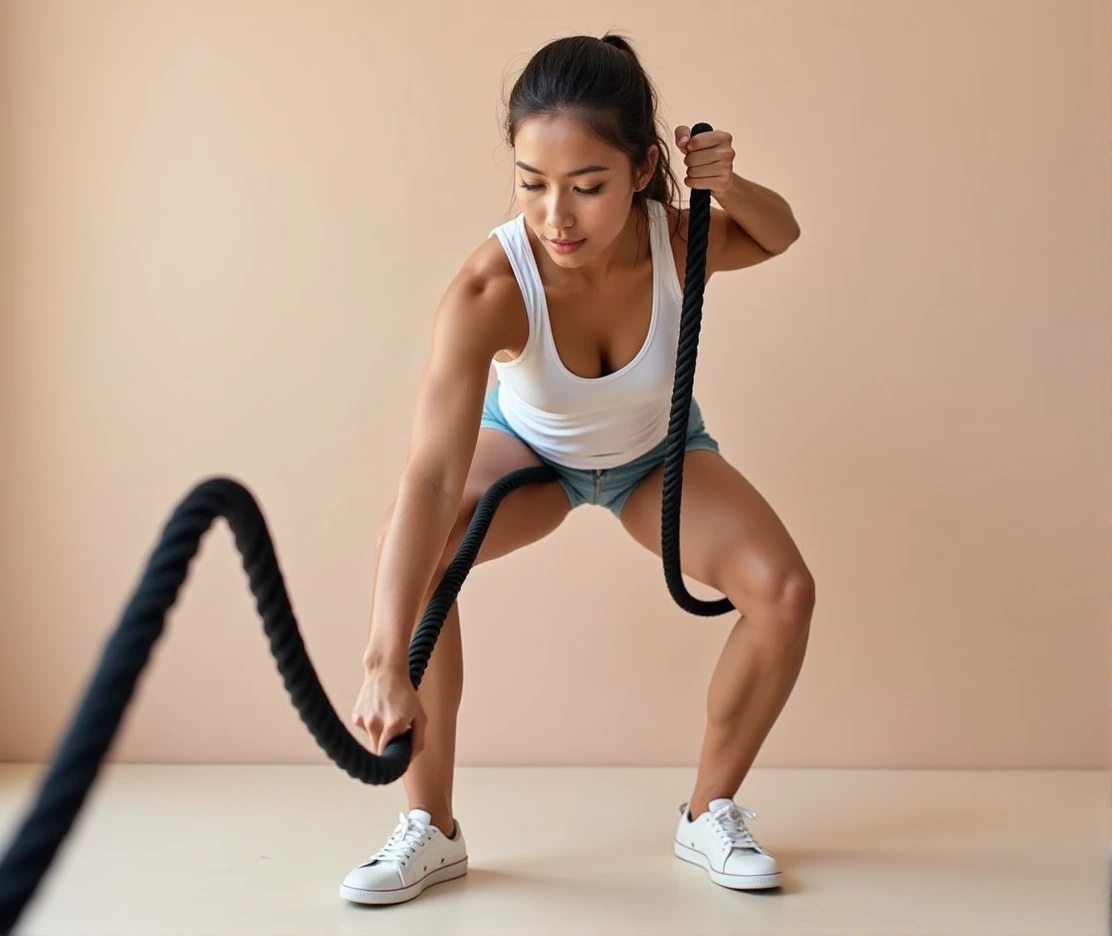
column 225, row 227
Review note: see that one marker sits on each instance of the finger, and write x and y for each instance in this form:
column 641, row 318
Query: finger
column 682, row 133
column 393, row 730
column 384, row 739
column 710, row 182
column 706, row 157
column 709, row 140
column 709, row 171
column 374, row 729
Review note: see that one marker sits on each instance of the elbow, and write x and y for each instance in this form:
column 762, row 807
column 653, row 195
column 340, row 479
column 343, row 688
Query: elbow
column 791, row 235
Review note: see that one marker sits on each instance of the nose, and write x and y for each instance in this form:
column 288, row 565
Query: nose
column 559, row 217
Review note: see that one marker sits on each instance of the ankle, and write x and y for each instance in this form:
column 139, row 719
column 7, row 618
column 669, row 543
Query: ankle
column 442, row 817
column 445, row 823
column 697, row 806
column 700, row 802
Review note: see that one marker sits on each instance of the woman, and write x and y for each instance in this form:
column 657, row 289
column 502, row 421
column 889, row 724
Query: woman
column 576, row 303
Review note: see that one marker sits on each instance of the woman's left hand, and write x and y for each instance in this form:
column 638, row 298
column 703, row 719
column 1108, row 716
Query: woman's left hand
column 709, row 158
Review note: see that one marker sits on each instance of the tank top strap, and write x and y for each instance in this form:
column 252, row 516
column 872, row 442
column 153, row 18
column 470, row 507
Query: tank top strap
column 515, row 242
column 667, row 278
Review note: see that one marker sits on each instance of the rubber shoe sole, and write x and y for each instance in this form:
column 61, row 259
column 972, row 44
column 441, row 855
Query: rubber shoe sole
column 734, row 881
column 402, row 894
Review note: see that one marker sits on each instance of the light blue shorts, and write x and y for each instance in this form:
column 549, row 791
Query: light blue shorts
column 605, row 487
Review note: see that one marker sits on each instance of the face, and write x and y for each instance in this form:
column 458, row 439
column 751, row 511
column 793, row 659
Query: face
column 574, row 190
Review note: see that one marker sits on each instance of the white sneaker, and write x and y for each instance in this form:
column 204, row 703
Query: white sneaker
column 720, row 842
column 417, row 855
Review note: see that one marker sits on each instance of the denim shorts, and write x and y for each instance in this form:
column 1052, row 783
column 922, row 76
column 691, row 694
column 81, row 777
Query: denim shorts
column 605, row 487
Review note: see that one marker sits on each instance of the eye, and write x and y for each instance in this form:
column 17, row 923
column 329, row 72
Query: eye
column 537, row 186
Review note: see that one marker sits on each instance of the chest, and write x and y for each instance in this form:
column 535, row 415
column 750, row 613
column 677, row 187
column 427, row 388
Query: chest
column 598, row 333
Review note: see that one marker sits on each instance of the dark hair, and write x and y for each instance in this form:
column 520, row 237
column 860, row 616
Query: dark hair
column 602, row 83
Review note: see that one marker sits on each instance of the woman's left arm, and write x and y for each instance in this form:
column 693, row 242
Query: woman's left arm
column 755, row 222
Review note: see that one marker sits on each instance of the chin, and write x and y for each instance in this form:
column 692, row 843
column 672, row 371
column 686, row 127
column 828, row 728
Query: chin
column 569, row 261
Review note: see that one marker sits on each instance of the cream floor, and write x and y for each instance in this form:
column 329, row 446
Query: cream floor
column 261, row 850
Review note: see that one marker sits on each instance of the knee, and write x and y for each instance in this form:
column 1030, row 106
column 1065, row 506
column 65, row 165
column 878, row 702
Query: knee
column 783, row 595
column 797, row 592
column 789, row 599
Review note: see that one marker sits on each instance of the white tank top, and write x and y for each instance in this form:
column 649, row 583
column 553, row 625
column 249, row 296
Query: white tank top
column 585, row 422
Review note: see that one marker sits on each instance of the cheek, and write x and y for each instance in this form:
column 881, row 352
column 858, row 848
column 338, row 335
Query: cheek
column 609, row 209
column 534, row 210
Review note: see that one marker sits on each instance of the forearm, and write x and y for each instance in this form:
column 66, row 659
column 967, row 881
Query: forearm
column 411, row 550
column 762, row 213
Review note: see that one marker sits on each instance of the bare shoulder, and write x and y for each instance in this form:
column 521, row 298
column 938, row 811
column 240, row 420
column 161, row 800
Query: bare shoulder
column 482, row 304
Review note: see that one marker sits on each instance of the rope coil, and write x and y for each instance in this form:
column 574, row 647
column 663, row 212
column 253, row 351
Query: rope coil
column 81, row 751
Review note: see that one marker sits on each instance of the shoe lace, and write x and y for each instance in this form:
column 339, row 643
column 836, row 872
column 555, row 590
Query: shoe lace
column 403, row 841
column 729, row 820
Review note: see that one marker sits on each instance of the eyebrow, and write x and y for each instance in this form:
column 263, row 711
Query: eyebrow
column 574, row 172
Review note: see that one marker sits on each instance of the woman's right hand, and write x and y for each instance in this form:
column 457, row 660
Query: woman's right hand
column 387, row 705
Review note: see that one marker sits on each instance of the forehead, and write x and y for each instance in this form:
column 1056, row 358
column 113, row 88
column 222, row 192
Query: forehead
column 561, row 143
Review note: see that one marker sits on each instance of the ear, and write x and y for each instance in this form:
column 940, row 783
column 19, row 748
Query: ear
column 652, row 158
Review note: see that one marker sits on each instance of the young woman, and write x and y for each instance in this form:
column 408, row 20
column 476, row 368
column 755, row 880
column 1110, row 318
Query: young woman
column 576, row 304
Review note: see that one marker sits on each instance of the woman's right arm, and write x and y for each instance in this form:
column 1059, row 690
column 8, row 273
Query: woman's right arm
column 473, row 322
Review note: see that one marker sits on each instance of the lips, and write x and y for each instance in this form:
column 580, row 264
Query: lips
column 566, row 246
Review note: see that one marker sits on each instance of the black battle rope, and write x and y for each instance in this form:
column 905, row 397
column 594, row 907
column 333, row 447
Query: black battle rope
column 691, row 319
column 79, row 755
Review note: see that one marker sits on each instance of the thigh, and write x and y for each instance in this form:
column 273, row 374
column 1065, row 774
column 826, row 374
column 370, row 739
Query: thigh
column 730, row 537
column 524, row 516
